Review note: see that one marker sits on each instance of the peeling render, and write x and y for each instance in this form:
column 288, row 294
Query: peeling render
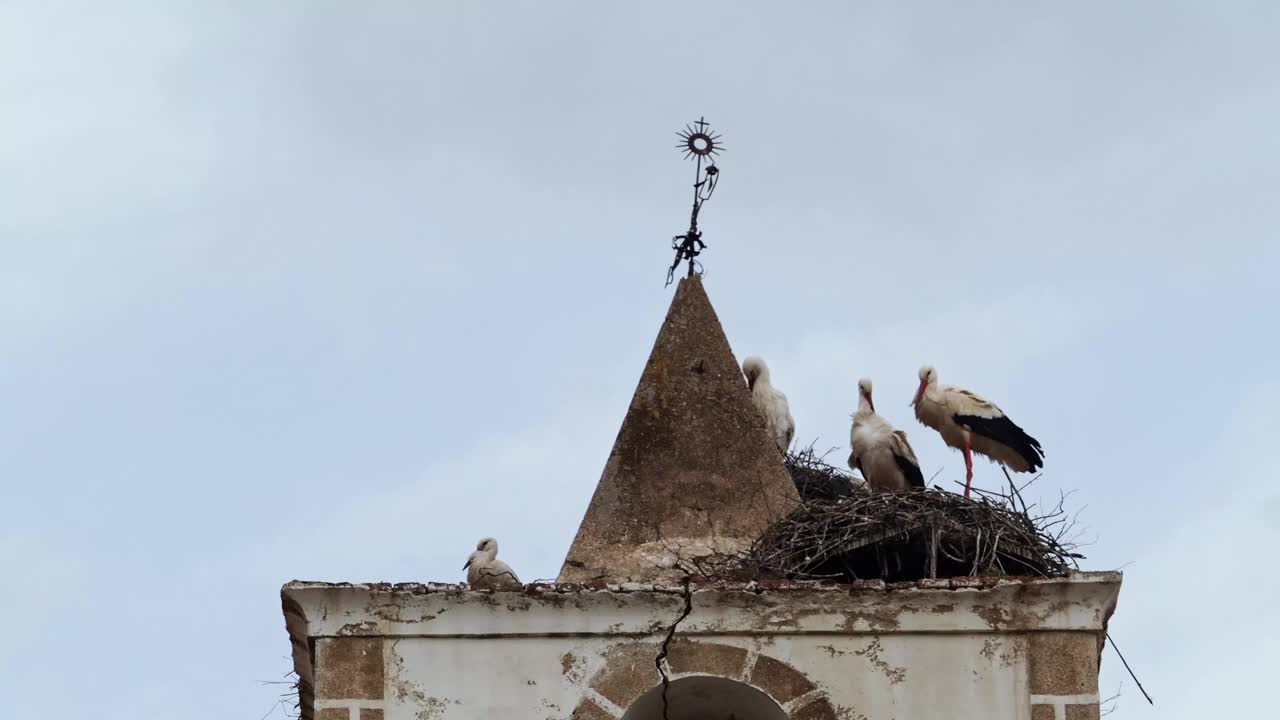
column 868, row 650
column 994, row 604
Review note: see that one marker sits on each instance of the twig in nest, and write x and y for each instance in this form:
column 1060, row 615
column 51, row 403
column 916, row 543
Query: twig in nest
column 841, row 532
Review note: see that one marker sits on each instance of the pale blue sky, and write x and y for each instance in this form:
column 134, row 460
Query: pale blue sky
column 329, row 290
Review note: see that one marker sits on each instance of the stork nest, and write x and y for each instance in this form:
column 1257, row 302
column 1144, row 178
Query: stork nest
column 843, row 532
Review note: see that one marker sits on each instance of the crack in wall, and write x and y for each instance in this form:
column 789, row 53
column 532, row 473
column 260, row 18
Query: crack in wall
column 687, row 593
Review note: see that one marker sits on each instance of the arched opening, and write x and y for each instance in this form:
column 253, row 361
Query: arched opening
column 705, row 698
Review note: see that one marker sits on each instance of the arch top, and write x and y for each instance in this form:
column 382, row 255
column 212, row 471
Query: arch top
column 708, row 681
column 706, row 697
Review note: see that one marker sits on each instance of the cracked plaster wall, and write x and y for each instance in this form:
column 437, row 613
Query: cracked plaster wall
column 1017, row 650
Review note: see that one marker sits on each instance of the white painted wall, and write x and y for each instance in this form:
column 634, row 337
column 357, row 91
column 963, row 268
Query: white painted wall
column 522, row 677
column 931, row 651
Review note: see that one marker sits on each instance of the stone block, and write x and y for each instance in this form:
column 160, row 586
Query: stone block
column 817, row 710
column 349, row 668
column 1083, row 712
column 629, row 670
column 1042, row 712
column 780, row 680
column 1064, row 663
column 687, row 656
column 588, row 710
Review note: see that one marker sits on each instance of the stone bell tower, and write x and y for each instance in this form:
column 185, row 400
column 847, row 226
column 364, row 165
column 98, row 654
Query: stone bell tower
column 623, row 635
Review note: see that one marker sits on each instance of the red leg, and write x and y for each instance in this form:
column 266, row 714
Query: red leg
column 968, row 467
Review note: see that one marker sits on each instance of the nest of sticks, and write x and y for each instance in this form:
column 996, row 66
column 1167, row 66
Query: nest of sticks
column 843, row 532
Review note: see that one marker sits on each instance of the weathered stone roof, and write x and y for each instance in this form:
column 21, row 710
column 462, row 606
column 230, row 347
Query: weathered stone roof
column 692, row 468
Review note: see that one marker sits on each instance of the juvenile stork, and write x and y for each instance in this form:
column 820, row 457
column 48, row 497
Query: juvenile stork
column 486, row 571
column 880, row 453
column 970, row 423
column 770, row 402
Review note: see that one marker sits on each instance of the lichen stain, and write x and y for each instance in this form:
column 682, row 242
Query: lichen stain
column 995, row 616
column 571, row 667
column 519, row 603
column 407, row 690
column 883, row 619
column 393, row 612
column 361, row 628
column 1015, row 649
column 942, row 608
column 872, row 653
column 435, row 707
column 989, row 648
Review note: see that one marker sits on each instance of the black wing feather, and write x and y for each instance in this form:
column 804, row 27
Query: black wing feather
column 1006, row 432
column 910, row 471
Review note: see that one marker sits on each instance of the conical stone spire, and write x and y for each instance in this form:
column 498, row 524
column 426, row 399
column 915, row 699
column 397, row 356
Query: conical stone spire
column 692, row 470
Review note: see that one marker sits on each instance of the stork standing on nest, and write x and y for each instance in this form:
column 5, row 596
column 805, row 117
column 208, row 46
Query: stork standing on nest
column 770, row 402
column 486, row 571
column 969, row 423
column 880, row 453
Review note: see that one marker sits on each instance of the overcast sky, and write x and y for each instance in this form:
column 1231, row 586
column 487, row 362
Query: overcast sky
column 330, row 290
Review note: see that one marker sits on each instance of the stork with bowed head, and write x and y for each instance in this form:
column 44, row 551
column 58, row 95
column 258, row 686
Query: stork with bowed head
column 770, row 402
column 970, row 424
column 880, row 453
column 485, row 571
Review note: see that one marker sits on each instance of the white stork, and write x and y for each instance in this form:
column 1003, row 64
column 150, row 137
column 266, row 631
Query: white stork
column 880, row 453
column 486, row 571
column 969, row 423
column 770, row 402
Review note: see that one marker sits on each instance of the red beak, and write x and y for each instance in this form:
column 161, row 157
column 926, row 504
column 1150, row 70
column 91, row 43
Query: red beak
column 871, row 402
column 920, row 391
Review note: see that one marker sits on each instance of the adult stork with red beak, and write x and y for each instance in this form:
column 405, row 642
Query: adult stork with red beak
column 880, row 453
column 969, row 423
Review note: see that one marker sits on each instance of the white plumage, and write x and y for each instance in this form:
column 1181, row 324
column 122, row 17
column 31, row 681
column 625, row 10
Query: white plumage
column 880, row 453
column 770, row 402
column 486, row 571
column 968, row 422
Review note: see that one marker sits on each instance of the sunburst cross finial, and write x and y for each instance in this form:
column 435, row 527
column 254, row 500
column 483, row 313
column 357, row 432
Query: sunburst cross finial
column 699, row 142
